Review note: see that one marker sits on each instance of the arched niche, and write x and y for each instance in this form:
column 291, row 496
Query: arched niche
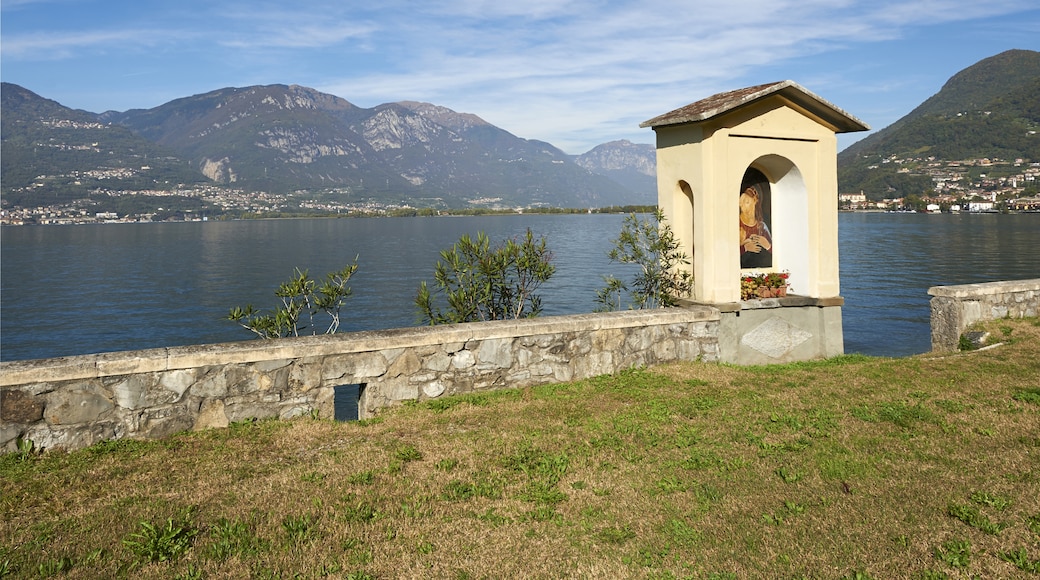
column 789, row 206
column 682, row 223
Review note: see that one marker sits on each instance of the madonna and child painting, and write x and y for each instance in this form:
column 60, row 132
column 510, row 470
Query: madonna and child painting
column 756, row 243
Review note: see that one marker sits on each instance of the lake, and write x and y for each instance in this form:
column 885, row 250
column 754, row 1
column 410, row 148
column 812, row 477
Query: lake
column 67, row 290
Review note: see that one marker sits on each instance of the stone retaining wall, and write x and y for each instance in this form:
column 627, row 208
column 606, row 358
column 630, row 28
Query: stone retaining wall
column 77, row 401
column 955, row 308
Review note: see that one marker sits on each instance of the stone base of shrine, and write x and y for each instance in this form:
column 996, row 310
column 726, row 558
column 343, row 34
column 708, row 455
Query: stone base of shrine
column 780, row 330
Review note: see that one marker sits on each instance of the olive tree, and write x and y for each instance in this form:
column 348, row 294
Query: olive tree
column 475, row 281
column 659, row 281
column 302, row 299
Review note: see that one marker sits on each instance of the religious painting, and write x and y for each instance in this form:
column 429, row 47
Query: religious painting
column 756, row 241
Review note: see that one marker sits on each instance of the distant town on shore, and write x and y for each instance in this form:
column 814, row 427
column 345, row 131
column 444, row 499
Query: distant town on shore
column 972, row 185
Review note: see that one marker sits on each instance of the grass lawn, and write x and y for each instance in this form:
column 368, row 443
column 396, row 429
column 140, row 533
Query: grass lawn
column 856, row 467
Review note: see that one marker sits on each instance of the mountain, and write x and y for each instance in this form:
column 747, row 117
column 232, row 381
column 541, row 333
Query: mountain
column 988, row 110
column 633, row 165
column 284, row 138
column 54, row 154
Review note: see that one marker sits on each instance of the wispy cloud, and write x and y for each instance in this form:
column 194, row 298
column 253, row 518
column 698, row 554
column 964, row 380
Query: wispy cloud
column 569, row 72
column 62, row 45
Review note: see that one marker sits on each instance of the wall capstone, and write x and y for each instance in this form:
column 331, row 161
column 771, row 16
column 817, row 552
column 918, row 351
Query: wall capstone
column 955, row 308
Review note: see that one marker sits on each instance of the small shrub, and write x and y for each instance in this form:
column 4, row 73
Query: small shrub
column 362, row 478
column 25, row 449
column 300, row 529
column 616, row 535
column 447, row 464
column 191, row 573
column 971, row 516
column 478, row 282
column 55, row 566
column 408, row 453
column 1033, row 523
column 1021, row 560
column 987, row 499
column 301, row 297
column 965, row 344
column 955, row 553
column 161, row 543
column 233, row 538
column 661, row 279
column 360, row 511
column 1028, row 396
column 457, row 490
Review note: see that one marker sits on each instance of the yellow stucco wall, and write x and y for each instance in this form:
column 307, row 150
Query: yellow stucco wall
column 699, row 170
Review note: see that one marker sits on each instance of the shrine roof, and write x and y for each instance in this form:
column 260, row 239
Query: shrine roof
column 722, row 103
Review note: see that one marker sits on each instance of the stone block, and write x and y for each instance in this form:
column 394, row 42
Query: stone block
column 81, row 404
column 71, row 437
column 177, row 381
column 245, row 379
column 664, row 351
column 610, row 339
column 463, row 359
column 139, row 391
column 563, row 373
column 17, row 406
column 540, row 369
column 241, row 410
column 399, row 390
column 159, row 422
column 296, row 407
column 214, row 384
column 438, row 361
column 306, row 374
column 593, row 364
column 406, row 363
column 496, row 353
column 211, row 415
column 9, row 435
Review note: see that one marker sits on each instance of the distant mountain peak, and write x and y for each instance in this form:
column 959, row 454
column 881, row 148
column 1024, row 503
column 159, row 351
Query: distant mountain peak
column 445, row 116
column 621, row 154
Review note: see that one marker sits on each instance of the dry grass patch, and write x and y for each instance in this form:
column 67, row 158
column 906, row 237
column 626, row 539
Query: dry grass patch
column 925, row 467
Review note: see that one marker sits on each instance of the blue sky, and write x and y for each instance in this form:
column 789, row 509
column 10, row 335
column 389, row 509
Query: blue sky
column 575, row 74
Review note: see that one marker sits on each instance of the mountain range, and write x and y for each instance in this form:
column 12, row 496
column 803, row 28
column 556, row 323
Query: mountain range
column 293, row 140
column 280, row 139
column 989, row 110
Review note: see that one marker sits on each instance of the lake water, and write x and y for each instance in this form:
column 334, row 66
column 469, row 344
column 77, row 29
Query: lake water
column 67, row 290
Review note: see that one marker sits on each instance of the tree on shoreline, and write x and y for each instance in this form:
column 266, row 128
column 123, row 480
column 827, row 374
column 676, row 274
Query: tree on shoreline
column 301, row 296
column 652, row 246
column 479, row 282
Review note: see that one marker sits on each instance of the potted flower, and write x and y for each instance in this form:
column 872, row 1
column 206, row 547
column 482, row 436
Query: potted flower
column 765, row 285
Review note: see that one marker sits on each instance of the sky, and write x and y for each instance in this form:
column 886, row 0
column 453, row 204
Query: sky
column 575, row 74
